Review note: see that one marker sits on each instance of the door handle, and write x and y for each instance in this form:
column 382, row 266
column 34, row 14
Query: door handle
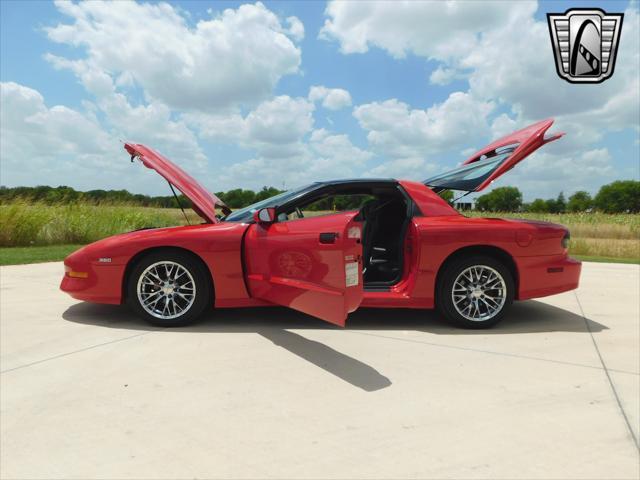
column 328, row 237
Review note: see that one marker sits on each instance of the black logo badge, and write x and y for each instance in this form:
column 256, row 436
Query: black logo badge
column 585, row 43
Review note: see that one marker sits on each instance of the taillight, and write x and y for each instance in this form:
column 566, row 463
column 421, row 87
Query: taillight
column 565, row 240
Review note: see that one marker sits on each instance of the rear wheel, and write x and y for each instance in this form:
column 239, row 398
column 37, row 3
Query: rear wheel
column 169, row 289
column 475, row 292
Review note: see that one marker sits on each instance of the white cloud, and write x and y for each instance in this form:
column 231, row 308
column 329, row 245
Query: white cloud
column 41, row 144
column 443, row 75
column 237, row 57
column 500, row 71
column 409, row 139
column 288, row 150
column 59, row 145
column 149, row 123
column 296, row 28
column 427, row 28
column 332, row 98
column 275, row 128
column 546, row 173
column 336, row 151
column 24, row 112
column 408, row 168
column 211, row 81
column 398, row 131
column 152, row 124
column 324, row 156
column 279, row 121
column 505, row 54
column 503, row 125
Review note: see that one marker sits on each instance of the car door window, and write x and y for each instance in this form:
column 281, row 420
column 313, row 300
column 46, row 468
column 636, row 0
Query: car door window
column 325, row 205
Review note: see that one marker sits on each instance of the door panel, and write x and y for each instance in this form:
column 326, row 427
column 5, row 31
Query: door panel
column 312, row 265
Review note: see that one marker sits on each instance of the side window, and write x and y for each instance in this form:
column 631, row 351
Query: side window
column 327, row 205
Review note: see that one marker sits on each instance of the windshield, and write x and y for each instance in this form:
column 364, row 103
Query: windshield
column 468, row 177
column 246, row 214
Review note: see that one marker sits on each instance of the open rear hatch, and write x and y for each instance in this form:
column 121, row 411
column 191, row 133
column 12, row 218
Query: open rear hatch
column 484, row 166
column 203, row 202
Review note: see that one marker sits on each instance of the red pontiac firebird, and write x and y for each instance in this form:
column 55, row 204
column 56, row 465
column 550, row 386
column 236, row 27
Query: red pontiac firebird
column 376, row 243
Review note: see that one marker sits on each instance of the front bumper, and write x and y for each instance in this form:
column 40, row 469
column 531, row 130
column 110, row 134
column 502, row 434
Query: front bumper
column 547, row 275
column 103, row 282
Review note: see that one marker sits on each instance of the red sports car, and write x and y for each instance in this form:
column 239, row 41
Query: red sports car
column 365, row 242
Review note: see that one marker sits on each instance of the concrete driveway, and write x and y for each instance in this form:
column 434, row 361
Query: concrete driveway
column 88, row 391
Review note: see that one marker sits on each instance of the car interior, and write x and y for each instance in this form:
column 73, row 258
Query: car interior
column 385, row 211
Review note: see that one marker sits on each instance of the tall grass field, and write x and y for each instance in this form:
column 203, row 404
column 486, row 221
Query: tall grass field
column 614, row 237
column 593, row 234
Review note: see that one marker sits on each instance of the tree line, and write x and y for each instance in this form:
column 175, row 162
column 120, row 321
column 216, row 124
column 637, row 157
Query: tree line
column 617, row 197
column 236, row 198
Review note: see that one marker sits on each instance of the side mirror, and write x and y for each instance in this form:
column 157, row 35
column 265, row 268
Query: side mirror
column 265, row 216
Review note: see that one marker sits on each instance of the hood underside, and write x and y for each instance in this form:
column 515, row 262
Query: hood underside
column 203, row 202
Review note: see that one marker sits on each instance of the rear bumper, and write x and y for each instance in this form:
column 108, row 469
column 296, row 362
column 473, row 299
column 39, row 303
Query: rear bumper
column 547, row 275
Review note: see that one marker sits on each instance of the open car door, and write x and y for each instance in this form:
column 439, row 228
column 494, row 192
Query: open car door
column 497, row 158
column 312, row 264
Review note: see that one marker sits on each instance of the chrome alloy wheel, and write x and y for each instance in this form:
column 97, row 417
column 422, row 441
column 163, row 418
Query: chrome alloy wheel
column 479, row 293
column 166, row 290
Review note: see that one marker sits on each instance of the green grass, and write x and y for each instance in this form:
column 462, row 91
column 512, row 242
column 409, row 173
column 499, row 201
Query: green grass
column 594, row 236
column 620, row 226
column 23, row 255
column 587, row 258
column 36, row 224
column 57, row 253
column 25, row 226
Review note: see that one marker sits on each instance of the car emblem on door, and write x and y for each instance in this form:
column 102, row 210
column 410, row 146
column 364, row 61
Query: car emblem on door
column 585, row 43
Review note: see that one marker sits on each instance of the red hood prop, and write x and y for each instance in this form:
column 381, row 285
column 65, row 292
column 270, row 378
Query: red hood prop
column 204, row 202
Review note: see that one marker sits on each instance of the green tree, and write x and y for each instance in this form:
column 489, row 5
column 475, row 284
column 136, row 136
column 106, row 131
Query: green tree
column 238, row 198
column 580, row 202
column 446, row 195
column 266, row 192
column 557, row 205
column 619, row 196
column 550, row 205
column 503, row 199
column 538, row 206
column 561, row 203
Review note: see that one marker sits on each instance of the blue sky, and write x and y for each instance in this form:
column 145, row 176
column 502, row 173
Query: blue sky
column 273, row 93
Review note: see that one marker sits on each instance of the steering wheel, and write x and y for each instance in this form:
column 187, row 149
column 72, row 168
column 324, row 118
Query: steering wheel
column 299, row 213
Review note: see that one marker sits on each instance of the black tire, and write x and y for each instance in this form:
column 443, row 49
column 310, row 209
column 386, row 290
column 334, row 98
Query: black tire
column 444, row 292
column 196, row 270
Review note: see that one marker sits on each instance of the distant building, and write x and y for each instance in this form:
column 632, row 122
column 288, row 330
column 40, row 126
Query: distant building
column 464, row 205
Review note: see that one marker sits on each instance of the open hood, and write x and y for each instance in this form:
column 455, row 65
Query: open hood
column 484, row 166
column 204, row 202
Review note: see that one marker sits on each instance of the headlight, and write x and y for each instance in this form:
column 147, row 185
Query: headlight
column 565, row 240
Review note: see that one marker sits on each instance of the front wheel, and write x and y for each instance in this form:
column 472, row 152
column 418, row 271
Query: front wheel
column 168, row 289
column 475, row 292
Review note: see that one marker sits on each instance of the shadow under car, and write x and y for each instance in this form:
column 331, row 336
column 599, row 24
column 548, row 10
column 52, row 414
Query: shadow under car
column 276, row 323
